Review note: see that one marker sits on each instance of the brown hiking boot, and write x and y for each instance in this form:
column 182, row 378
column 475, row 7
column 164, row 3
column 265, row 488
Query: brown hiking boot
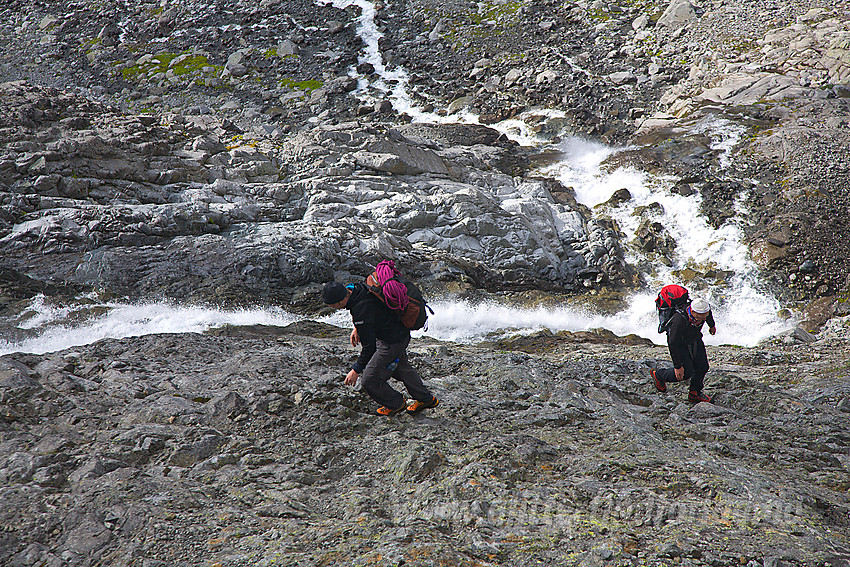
column 418, row 406
column 661, row 386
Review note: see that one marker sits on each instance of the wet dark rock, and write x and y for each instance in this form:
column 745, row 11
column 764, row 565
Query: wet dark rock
column 652, row 237
column 619, row 196
column 201, row 226
column 255, row 424
column 819, row 312
column 450, row 134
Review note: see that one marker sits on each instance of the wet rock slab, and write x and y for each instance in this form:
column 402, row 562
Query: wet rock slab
column 242, row 446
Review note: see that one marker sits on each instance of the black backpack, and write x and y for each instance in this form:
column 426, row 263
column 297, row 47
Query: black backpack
column 671, row 298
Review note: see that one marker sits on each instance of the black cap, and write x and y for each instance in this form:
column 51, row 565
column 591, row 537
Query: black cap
column 333, row 292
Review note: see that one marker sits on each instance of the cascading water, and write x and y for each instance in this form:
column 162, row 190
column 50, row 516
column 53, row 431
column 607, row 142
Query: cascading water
column 55, row 328
column 745, row 314
column 748, row 314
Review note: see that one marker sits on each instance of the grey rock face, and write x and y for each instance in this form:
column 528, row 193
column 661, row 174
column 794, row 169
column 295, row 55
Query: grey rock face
column 220, row 223
column 170, row 440
column 220, row 79
column 227, row 156
column 677, row 14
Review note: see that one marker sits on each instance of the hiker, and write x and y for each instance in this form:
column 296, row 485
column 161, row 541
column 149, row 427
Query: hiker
column 383, row 354
column 684, row 339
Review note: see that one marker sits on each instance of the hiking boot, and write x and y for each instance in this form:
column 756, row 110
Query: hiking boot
column 384, row 410
column 418, row 406
column 697, row 397
column 661, row 386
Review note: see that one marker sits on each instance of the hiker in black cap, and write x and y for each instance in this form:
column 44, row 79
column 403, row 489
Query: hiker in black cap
column 383, row 344
column 690, row 360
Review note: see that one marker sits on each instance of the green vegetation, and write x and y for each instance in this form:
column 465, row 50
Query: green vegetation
column 459, row 31
column 496, row 12
column 649, row 43
column 308, row 85
column 650, row 7
column 186, row 63
column 512, row 58
column 741, row 45
column 238, row 141
column 599, row 15
column 89, row 46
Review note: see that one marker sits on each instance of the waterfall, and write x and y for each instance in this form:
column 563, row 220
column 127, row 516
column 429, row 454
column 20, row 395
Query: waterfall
column 745, row 312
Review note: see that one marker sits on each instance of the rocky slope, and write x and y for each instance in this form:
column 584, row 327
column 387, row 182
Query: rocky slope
column 202, row 119
column 242, row 447
column 221, row 153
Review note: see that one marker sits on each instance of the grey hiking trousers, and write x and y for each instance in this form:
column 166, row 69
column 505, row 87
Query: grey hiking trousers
column 376, row 374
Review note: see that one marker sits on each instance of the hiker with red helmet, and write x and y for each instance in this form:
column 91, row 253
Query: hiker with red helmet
column 687, row 350
column 383, row 341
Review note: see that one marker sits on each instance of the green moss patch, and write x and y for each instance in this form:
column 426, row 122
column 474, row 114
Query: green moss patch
column 489, row 17
column 177, row 64
column 309, row 85
column 496, row 12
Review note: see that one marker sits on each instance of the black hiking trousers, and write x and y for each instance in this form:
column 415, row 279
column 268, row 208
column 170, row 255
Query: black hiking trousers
column 375, row 376
column 695, row 361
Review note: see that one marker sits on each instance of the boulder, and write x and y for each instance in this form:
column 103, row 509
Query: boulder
column 677, row 14
column 451, row 134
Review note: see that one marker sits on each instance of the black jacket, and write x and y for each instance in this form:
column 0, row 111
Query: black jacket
column 682, row 333
column 373, row 321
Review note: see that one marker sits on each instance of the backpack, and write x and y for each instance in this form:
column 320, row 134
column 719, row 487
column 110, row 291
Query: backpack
column 399, row 294
column 671, row 298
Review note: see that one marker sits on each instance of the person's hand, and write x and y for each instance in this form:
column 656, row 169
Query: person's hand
column 712, row 330
column 355, row 338
column 680, row 373
column 351, row 378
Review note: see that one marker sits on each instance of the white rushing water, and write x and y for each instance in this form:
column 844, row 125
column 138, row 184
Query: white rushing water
column 748, row 313
column 59, row 327
column 745, row 314
column 56, row 329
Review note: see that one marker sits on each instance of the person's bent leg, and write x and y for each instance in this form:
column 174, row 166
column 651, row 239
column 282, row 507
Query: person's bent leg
column 376, row 374
column 408, row 375
column 669, row 374
column 666, row 374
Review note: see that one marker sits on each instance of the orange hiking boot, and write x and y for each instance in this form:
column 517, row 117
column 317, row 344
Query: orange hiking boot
column 697, row 397
column 418, row 406
column 661, row 386
column 384, row 410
